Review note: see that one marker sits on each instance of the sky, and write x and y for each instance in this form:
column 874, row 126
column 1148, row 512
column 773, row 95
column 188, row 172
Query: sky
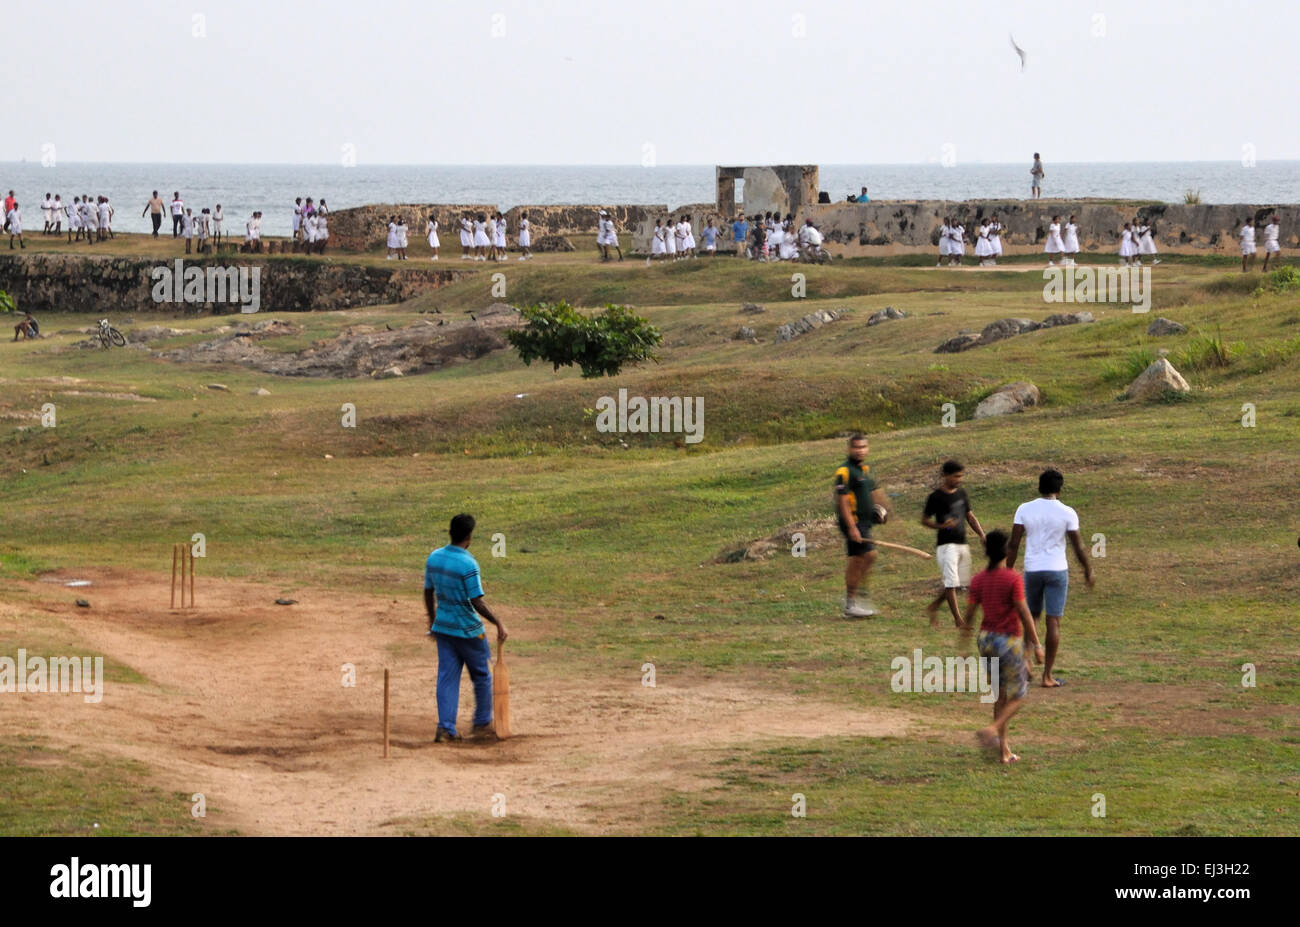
column 636, row 83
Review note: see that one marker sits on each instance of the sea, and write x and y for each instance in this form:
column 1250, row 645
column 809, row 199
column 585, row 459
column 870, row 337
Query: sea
column 272, row 188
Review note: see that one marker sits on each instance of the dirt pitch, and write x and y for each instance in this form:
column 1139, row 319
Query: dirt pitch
column 245, row 703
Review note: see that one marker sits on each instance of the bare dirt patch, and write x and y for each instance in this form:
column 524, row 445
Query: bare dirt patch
column 245, row 703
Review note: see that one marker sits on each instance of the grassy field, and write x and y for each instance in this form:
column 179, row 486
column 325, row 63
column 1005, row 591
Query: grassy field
column 611, row 538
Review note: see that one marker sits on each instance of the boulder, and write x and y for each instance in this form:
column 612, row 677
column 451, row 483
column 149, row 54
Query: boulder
column 219, row 386
column 261, row 391
column 885, row 315
column 389, row 373
column 1013, row 397
column 1163, row 326
column 963, row 342
column 752, row 308
column 745, row 333
column 1156, row 380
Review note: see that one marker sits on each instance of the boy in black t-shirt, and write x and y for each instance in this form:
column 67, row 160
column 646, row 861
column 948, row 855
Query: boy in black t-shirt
column 948, row 511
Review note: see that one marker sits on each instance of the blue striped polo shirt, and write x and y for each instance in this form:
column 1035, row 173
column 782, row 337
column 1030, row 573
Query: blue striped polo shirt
column 452, row 573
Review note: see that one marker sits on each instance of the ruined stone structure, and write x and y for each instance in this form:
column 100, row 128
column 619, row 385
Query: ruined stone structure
column 783, row 188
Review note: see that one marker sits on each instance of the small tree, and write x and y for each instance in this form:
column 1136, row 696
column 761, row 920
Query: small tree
column 599, row 345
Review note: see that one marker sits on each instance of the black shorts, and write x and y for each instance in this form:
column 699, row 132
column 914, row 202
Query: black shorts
column 857, row 548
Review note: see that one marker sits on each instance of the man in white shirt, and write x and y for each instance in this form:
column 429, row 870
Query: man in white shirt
column 1045, row 524
column 178, row 213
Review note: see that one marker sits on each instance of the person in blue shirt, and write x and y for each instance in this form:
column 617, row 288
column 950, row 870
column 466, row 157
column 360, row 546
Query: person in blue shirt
column 452, row 596
column 740, row 234
column 862, row 197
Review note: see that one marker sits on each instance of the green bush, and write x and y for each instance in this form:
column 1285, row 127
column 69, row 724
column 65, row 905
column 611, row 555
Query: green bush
column 7, row 302
column 599, row 345
column 1205, row 352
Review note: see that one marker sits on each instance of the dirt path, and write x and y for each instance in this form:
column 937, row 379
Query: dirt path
column 245, row 703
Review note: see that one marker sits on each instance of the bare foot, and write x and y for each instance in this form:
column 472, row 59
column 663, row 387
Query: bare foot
column 1011, row 758
column 1050, row 683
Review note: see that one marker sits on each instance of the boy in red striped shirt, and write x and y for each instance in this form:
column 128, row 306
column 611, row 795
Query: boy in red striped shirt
column 1001, row 592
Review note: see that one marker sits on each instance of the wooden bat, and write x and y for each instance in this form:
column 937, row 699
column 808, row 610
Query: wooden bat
column 904, row 548
column 501, row 694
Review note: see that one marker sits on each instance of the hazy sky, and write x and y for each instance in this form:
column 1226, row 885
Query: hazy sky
column 574, row 82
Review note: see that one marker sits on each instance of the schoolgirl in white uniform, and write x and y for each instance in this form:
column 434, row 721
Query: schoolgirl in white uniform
column 297, row 219
column 216, row 224
column 670, row 239
column 1271, row 247
column 690, row 236
column 525, row 237
column 956, row 243
column 401, row 239
column 499, row 240
column 431, row 232
column 1054, row 245
column 1127, row 249
column 1070, row 240
column 481, row 240
column 945, row 240
column 392, row 238
column 657, row 246
column 1146, row 243
column 466, row 237
column 15, row 218
column 1247, row 236
column 983, row 248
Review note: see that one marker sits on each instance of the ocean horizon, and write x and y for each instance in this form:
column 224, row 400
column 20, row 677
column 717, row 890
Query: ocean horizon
column 272, row 187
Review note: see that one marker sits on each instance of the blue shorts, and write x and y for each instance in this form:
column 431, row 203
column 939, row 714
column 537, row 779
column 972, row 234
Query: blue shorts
column 1046, row 588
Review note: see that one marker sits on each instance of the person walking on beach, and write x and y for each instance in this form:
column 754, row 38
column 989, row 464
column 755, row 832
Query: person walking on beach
column 1247, row 235
column 453, row 593
column 948, row 511
column 1271, row 247
column 1045, row 524
column 859, row 503
column 178, row 213
column 1037, row 175
column 1000, row 591
column 155, row 210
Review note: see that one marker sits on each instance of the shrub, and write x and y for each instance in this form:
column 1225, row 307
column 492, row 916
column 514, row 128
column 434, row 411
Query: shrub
column 1205, row 352
column 1130, row 366
column 7, row 302
column 1192, row 197
column 599, row 345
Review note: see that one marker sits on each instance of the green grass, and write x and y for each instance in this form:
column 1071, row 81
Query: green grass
column 1200, row 574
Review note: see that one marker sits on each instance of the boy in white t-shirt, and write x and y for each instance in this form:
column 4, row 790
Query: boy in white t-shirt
column 1271, row 246
column 1045, row 524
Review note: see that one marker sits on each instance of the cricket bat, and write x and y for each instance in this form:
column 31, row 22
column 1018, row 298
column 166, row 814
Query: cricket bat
column 501, row 694
column 904, row 548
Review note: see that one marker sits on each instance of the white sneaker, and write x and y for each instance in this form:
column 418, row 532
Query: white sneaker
column 853, row 610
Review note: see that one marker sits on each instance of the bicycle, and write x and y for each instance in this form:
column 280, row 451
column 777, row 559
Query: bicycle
column 108, row 335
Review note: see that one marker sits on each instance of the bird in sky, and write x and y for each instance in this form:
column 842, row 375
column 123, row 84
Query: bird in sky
column 1019, row 51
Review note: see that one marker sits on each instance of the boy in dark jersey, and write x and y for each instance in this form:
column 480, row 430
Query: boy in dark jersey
column 859, row 504
column 1001, row 592
column 948, row 511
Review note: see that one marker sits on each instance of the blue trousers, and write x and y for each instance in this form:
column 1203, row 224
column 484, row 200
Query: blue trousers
column 455, row 653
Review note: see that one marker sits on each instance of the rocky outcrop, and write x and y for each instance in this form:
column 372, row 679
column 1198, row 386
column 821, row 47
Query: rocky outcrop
column 1008, row 399
column 77, row 283
column 359, row 350
column 1007, row 328
column 1157, row 380
column 792, row 330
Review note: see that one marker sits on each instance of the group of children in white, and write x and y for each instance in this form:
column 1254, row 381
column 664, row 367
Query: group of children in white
column 676, row 240
column 311, row 230
column 92, row 221
column 482, row 237
column 771, row 238
column 988, row 241
column 1246, row 235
